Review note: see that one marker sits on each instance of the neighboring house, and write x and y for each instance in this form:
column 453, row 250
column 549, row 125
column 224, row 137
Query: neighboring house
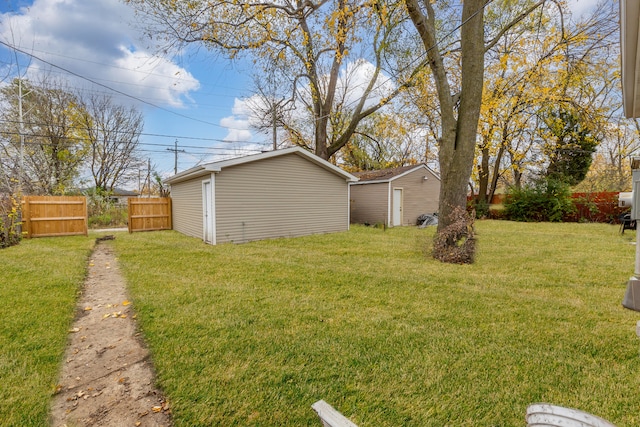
column 284, row 193
column 394, row 196
column 121, row 197
column 117, row 195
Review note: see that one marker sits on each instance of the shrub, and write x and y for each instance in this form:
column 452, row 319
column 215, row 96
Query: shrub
column 481, row 207
column 103, row 212
column 456, row 243
column 9, row 221
column 546, row 200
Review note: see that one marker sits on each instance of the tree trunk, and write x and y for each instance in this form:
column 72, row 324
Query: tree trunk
column 483, row 175
column 456, row 159
column 496, row 173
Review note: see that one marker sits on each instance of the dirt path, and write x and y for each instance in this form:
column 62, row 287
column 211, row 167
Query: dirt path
column 107, row 378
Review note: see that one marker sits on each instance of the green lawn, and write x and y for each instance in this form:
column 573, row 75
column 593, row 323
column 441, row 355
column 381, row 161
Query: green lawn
column 39, row 284
column 253, row 334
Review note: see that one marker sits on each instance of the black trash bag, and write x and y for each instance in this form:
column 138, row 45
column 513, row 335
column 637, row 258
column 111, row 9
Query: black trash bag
column 425, row 220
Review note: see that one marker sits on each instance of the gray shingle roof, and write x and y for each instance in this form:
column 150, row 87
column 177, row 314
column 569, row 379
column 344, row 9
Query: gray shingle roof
column 384, row 174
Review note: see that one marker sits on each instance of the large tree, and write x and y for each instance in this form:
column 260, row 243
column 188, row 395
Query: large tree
column 456, row 59
column 549, row 60
column 112, row 132
column 459, row 112
column 310, row 47
column 570, row 144
column 611, row 166
column 48, row 157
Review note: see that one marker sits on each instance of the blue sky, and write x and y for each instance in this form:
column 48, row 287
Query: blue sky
column 193, row 98
column 190, row 98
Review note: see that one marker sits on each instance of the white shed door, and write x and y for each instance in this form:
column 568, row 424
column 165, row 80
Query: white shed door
column 397, row 206
column 207, row 226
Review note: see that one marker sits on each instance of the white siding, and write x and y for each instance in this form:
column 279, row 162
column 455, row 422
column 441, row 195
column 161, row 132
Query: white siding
column 187, row 207
column 283, row 196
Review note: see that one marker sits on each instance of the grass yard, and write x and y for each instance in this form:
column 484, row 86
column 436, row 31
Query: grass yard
column 39, row 284
column 253, row 334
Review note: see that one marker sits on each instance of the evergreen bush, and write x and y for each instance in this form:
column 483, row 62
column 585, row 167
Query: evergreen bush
column 546, row 200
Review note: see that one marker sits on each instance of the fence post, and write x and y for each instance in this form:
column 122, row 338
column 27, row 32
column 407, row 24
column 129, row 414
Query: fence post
column 129, row 213
column 26, row 216
column 85, row 213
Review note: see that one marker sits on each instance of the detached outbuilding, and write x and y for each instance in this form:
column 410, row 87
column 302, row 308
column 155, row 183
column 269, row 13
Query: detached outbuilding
column 283, row 193
column 395, row 196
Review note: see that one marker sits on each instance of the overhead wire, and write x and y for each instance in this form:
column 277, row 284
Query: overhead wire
column 157, row 135
column 94, row 81
column 146, row 102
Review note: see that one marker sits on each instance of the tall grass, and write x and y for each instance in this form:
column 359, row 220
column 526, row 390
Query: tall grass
column 39, row 284
column 253, row 334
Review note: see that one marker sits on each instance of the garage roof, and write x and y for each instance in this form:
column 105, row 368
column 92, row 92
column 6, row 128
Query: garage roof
column 208, row 168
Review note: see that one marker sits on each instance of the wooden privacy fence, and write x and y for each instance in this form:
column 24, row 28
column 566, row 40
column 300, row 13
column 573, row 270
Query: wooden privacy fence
column 46, row 216
column 147, row 214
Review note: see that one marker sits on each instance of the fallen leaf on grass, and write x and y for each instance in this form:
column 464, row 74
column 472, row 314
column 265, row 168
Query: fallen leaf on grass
column 126, row 302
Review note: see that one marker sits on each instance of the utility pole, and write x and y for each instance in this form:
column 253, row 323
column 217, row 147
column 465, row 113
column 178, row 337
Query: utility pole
column 175, row 151
column 21, row 131
column 274, row 124
column 149, row 177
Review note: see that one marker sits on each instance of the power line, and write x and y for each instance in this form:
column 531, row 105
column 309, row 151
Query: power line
column 194, row 138
column 175, row 152
column 78, row 139
column 16, row 49
column 134, row 70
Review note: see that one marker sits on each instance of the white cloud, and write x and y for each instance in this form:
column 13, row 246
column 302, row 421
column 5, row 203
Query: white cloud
column 580, row 7
column 238, row 129
column 97, row 40
column 241, row 108
column 354, row 79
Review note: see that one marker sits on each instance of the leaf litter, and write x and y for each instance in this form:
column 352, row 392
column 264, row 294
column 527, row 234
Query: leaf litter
column 107, row 378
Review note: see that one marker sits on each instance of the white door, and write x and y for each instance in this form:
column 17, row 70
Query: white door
column 397, row 206
column 207, row 225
